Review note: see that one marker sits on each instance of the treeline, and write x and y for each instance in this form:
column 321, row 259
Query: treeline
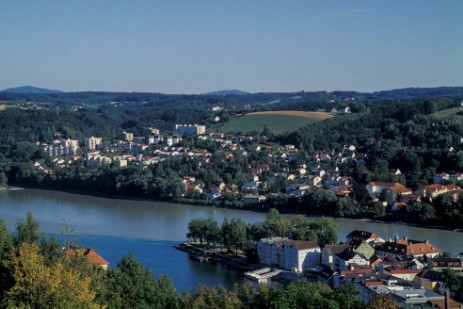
column 36, row 273
column 237, row 234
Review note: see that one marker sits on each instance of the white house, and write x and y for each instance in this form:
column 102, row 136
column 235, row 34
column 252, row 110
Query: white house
column 301, row 255
column 293, row 255
column 270, row 250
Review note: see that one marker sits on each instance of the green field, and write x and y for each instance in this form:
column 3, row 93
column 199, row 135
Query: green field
column 278, row 124
column 448, row 113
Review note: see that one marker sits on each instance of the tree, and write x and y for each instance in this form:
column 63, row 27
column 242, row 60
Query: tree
column 320, row 201
column 133, row 286
column 27, row 231
column 238, row 236
column 387, row 196
column 6, row 246
column 327, row 231
column 3, row 180
column 40, row 286
column 196, row 229
column 216, row 297
column 302, row 229
column 212, row 231
column 346, row 208
column 382, row 301
column 276, row 224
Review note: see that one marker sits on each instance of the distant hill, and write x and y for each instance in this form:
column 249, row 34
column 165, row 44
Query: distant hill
column 226, row 92
column 30, row 89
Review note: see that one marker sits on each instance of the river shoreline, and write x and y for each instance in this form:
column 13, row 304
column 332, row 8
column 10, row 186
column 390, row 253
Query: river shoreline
column 249, row 209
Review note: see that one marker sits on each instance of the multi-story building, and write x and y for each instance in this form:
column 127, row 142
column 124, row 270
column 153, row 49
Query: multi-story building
column 299, row 256
column 126, row 136
column 62, row 148
column 293, row 255
column 173, row 140
column 70, row 146
column 407, row 247
column 92, row 143
column 153, row 139
column 270, row 250
column 190, row 129
column 152, row 131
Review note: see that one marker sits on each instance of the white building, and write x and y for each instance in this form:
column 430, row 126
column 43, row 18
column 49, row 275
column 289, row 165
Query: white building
column 173, row 140
column 299, row 256
column 93, row 142
column 70, row 146
column 270, row 250
column 293, row 255
column 190, row 129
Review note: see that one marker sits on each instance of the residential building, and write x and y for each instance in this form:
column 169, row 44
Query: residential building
column 190, row 129
column 358, row 236
column 328, row 252
column 405, row 293
column 92, row 143
column 126, row 136
column 270, row 250
column 299, row 256
column 397, row 189
column 293, row 255
column 407, row 247
column 89, row 253
column 349, row 259
column 173, row 139
column 253, row 199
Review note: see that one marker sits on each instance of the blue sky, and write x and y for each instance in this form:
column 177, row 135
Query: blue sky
column 200, row 46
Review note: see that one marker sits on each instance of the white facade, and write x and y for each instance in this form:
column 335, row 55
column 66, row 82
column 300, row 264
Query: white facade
column 92, row 142
column 300, row 256
column 270, row 250
column 293, row 255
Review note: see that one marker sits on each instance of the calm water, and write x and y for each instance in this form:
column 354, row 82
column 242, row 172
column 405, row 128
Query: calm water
column 148, row 230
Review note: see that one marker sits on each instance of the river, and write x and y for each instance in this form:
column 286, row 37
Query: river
column 146, row 229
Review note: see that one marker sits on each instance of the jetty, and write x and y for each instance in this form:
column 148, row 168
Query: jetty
column 262, row 274
column 201, row 258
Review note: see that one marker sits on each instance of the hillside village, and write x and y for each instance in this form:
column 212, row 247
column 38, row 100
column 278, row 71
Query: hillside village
column 268, row 171
column 413, row 272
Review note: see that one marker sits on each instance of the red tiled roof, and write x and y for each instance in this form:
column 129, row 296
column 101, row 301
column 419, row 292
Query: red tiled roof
column 91, row 254
column 404, row 271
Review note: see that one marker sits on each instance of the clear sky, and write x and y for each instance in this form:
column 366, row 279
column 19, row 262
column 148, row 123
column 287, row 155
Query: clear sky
column 198, row 46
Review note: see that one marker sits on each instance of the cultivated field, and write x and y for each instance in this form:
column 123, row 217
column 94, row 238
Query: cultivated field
column 447, row 113
column 276, row 121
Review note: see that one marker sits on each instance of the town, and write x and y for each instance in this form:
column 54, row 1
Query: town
column 412, row 272
column 247, row 171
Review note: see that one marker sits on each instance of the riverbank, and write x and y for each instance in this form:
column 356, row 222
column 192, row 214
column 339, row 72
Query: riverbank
column 254, row 209
column 209, row 254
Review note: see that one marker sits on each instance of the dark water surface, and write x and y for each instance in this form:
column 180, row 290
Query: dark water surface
column 117, row 227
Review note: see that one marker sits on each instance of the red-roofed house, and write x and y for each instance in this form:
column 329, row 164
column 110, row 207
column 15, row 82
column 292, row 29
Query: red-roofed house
column 91, row 254
column 375, row 188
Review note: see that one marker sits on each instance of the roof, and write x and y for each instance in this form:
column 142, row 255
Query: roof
column 393, row 186
column 440, row 303
column 361, row 234
column 304, row 245
column 336, row 249
column 404, row 271
column 91, row 254
column 407, row 246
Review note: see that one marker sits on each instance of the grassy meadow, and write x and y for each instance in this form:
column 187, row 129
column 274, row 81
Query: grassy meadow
column 448, row 113
column 276, row 121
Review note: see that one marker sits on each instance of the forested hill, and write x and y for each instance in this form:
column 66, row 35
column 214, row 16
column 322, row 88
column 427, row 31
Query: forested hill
column 228, row 99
